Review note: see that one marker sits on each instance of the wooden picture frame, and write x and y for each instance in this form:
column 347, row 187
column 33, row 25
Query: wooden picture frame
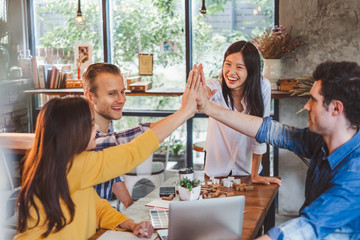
column 83, row 55
column 145, row 64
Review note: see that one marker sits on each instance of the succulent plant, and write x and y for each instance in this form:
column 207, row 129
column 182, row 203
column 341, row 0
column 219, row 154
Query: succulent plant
column 3, row 28
column 189, row 184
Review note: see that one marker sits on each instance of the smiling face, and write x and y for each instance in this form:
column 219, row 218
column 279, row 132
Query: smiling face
column 319, row 116
column 234, row 71
column 110, row 96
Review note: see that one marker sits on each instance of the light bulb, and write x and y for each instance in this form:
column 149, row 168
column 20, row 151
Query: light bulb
column 80, row 22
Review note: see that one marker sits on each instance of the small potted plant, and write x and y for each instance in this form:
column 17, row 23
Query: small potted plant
column 189, row 189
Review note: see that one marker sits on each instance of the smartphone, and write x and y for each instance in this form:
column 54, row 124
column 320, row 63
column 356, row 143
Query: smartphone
column 167, row 191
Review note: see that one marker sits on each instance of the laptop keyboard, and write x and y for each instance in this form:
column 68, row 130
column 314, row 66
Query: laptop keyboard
column 163, row 234
column 159, row 218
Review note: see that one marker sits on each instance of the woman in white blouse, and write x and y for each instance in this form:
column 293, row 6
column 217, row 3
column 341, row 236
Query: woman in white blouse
column 240, row 88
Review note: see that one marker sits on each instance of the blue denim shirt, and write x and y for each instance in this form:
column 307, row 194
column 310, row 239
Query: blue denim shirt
column 332, row 193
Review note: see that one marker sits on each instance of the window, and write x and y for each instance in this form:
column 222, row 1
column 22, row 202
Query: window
column 224, row 23
column 143, row 26
column 56, row 33
column 3, row 10
column 146, row 26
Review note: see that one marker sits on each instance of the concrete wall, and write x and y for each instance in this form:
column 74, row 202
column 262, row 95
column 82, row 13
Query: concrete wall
column 14, row 115
column 330, row 30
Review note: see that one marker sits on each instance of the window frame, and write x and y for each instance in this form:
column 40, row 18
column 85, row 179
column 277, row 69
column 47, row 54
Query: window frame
column 107, row 58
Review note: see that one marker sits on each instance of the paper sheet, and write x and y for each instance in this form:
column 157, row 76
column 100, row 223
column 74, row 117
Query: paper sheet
column 159, row 203
column 116, row 235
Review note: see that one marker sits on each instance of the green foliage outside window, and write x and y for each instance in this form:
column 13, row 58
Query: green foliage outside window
column 140, row 25
column 62, row 32
column 144, row 22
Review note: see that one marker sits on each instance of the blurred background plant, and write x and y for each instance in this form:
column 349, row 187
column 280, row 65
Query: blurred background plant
column 177, row 147
column 4, row 53
column 302, row 88
column 276, row 42
column 3, row 29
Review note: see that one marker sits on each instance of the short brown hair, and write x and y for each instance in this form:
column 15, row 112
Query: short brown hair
column 89, row 76
column 341, row 81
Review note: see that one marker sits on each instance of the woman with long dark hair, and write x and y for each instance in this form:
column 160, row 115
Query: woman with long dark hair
column 57, row 199
column 240, row 88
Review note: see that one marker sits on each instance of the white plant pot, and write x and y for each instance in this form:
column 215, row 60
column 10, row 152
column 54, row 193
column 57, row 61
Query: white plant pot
column 272, row 71
column 187, row 195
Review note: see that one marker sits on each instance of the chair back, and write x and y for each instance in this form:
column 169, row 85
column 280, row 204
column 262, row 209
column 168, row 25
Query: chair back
column 8, row 190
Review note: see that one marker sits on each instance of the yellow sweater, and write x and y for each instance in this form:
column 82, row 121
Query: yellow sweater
column 89, row 169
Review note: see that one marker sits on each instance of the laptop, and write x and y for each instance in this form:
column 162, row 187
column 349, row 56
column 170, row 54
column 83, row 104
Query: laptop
column 216, row 218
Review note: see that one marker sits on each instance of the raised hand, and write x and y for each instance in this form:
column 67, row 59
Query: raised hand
column 188, row 101
column 207, row 90
column 202, row 100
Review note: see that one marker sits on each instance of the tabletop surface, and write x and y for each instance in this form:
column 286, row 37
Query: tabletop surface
column 257, row 203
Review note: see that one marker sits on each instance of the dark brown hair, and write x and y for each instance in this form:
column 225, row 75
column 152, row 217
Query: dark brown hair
column 341, row 81
column 89, row 76
column 63, row 129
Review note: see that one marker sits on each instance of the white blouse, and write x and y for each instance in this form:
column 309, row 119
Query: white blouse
column 226, row 149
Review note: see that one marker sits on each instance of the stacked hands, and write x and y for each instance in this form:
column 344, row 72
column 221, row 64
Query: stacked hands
column 197, row 94
column 197, row 97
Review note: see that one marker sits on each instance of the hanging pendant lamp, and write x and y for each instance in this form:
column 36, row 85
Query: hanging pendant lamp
column 80, row 21
column 203, row 8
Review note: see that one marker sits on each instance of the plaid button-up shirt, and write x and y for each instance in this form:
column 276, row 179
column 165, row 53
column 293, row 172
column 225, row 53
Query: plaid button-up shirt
column 105, row 140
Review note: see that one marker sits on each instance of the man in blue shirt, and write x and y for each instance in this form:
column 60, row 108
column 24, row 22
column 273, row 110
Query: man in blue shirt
column 332, row 141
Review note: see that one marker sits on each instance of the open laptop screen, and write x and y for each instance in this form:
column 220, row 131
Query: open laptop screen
column 218, row 218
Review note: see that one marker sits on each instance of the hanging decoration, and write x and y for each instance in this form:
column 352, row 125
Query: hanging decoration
column 80, row 21
column 203, row 8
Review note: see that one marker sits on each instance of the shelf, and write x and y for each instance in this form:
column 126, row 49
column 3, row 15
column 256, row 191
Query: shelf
column 277, row 94
column 165, row 92
column 61, row 92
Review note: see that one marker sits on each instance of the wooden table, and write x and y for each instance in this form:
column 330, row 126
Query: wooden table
column 257, row 206
column 18, row 143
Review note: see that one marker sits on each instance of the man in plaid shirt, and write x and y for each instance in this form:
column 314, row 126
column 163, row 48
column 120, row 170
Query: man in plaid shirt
column 107, row 190
column 104, row 88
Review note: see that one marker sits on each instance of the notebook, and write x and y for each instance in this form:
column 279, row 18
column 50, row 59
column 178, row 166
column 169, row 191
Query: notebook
column 217, row 218
column 159, row 218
